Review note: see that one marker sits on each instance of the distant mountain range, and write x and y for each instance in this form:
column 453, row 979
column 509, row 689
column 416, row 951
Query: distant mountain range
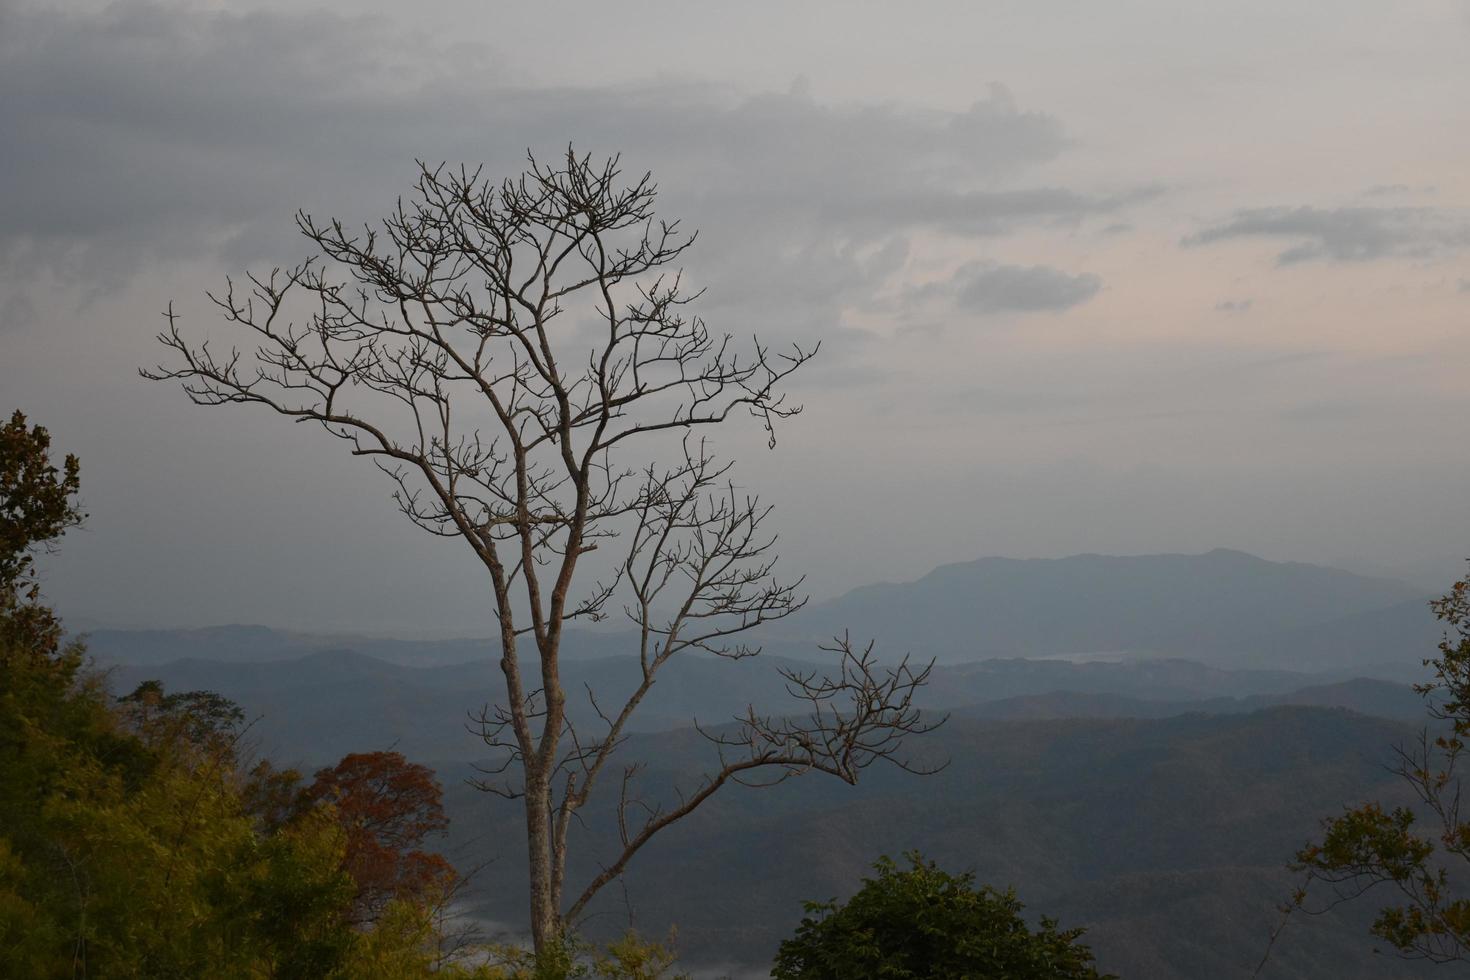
column 1219, row 632
column 260, row 644
column 1222, row 607
column 1154, row 802
column 1382, row 699
column 316, row 708
column 1137, row 744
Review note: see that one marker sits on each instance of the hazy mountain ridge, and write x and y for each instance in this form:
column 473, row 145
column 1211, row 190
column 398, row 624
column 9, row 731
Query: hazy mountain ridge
column 260, row 644
column 1166, row 837
column 320, row 706
column 1222, row 607
column 1153, row 799
column 1366, row 696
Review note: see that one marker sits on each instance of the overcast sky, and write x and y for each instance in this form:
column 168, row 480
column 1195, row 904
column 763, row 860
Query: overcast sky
column 1118, row 277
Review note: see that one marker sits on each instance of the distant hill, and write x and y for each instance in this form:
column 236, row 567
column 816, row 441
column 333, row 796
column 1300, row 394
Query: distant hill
column 255, row 644
column 1165, row 838
column 1377, row 641
column 1221, row 606
column 1381, row 699
column 318, row 707
column 1152, row 798
column 1159, row 817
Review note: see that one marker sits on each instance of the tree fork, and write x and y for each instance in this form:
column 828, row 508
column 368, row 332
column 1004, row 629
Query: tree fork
column 430, row 345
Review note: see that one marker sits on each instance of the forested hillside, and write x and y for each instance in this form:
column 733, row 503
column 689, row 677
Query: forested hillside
column 1151, row 799
column 1222, row 607
column 1165, row 838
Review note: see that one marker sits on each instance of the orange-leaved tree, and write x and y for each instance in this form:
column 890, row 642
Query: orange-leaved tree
column 388, row 808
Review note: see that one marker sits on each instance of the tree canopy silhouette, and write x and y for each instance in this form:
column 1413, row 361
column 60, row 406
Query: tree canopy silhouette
column 517, row 357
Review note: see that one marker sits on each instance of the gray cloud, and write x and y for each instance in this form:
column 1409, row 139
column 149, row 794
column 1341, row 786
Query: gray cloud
column 1400, row 190
column 16, row 310
column 1331, row 410
column 990, row 288
column 1351, row 234
column 1234, row 305
column 164, row 122
column 165, row 132
column 148, row 145
column 980, row 213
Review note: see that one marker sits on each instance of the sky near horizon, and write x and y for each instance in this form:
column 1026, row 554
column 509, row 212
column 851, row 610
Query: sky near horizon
column 1128, row 277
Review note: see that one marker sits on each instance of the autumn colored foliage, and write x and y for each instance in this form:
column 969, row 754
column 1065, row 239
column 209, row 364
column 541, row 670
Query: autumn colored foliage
column 387, row 807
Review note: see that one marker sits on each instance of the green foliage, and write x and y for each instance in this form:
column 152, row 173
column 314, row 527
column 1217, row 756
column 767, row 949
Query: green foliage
column 1367, row 845
column 924, row 923
column 131, row 844
column 629, row 958
column 403, row 944
column 274, row 797
column 36, row 507
column 203, row 720
column 129, row 855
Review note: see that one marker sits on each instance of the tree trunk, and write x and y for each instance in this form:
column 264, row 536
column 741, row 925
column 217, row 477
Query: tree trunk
column 545, row 916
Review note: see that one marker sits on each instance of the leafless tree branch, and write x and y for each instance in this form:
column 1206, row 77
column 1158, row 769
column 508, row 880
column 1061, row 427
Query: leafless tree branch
column 496, row 349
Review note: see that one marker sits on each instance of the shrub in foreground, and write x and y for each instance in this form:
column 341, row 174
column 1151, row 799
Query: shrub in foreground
column 922, row 922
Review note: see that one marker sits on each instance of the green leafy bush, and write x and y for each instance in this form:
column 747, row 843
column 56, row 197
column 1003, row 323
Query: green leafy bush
column 923, row 923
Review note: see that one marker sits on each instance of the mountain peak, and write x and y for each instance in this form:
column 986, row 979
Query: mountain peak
column 1220, row 604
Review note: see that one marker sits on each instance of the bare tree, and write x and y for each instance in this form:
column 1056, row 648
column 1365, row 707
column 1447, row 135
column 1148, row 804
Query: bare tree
column 445, row 345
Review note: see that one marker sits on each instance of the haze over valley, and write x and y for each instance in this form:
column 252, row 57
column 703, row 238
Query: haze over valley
column 1148, row 793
